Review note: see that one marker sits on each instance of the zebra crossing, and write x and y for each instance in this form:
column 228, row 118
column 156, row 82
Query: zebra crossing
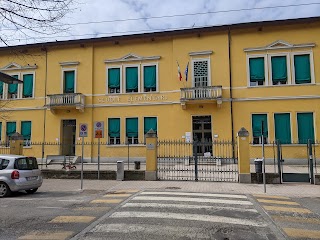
column 182, row 215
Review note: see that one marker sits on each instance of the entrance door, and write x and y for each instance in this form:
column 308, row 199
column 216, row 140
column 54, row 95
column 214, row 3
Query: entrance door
column 201, row 128
column 68, row 137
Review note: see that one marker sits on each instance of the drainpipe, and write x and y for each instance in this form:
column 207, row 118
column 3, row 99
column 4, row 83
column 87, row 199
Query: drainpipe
column 45, row 103
column 231, row 99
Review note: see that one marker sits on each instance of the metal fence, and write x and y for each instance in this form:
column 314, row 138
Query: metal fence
column 198, row 161
column 4, row 147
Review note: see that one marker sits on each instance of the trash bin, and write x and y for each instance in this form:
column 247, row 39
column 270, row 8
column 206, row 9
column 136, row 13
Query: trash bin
column 136, row 165
column 258, row 165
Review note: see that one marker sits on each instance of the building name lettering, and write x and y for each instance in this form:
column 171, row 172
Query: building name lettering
column 144, row 98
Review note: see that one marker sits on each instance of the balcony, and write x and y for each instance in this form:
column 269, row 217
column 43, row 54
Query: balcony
column 198, row 95
column 66, row 101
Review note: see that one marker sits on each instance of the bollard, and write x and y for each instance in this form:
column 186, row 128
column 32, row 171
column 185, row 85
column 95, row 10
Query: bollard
column 136, row 165
column 120, row 171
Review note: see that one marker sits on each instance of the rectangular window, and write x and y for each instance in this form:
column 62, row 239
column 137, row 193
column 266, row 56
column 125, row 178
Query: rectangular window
column 302, row 69
column 68, row 81
column 114, row 130
column 257, row 128
column 150, row 123
column 257, row 71
column 132, row 130
column 26, row 132
column 11, row 129
column 13, row 89
column 279, row 70
column 150, row 78
column 201, row 73
column 1, row 90
column 113, row 80
column 282, row 125
column 305, row 127
column 27, row 91
column 132, row 79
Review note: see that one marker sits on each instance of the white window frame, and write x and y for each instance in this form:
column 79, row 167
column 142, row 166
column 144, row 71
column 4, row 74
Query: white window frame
column 274, row 124
column 21, row 85
column 107, row 80
column 266, row 72
column 310, row 53
column 142, row 77
column 192, row 69
column 125, row 78
column 125, row 132
column 75, row 78
column 314, row 124
column 288, row 59
column 6, row 88
column 114, row 138
column 26, row 143
column 268, row 124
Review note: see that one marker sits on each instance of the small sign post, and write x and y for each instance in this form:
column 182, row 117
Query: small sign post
column 98, row 133
column 83, row 132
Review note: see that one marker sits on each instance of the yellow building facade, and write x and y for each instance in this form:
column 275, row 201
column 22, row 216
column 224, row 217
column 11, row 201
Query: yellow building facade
column 238, row 75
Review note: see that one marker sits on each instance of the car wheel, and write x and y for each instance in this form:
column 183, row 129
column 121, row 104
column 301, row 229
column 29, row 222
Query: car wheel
column 4, row 190
column 33, row 190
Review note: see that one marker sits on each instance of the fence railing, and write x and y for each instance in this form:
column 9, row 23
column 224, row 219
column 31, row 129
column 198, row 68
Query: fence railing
column 201, row 93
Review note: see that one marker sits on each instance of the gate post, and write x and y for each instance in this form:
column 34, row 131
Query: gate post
column 151, row 156
column 243, row 156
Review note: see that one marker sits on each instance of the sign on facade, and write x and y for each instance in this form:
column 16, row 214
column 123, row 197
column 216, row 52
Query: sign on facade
column 98, row 129
column 83, row 130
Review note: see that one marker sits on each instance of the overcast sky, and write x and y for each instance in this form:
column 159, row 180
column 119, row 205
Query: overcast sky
column 122, row 17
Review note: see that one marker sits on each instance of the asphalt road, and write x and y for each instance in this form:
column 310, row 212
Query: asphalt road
column 60, row 212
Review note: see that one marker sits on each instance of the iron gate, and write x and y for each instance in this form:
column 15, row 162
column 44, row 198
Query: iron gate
column 179, row 160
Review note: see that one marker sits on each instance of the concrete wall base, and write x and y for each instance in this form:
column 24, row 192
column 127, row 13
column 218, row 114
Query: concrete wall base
column 151, row 175
column 244, row 178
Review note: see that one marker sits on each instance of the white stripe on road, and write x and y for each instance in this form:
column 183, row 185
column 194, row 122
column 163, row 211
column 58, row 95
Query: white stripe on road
column 183, row 206
column 70, row 200
column 44, row 207
column 186, row 232
column 198, row 200
column 190, row 217
column 196, row 194
column 23, row 199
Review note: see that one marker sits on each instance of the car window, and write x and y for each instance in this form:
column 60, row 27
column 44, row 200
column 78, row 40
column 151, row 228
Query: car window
column 32, row 161
column 22, row 164
column 4, row 163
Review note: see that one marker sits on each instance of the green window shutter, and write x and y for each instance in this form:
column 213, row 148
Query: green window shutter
column 149, row 76
column 114, row 127
column 11, row 128
column 305, row 127
column 69, row 82
column 27, row 85
column 1, row 88
column 26, row 130
column 132, row 127
column 279, row 69
column 256, row 125
column 114, row 77
column 302, row 68
column 256, row 66
column 13, row 87
column 0, row 131
column 150, row 123
column 131, row 79
column 282, row 127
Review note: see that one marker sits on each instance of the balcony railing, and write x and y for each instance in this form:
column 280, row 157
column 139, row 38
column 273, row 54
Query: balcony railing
column 66, row 100
column 201, row 93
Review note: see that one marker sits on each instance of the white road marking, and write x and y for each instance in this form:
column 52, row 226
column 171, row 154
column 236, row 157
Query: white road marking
column 196, row 194
column 22, row 199
column 190, row 232
column 188, row 217
column 52, row 207
column 183, row 206
column 199, row 200
column 70, row 200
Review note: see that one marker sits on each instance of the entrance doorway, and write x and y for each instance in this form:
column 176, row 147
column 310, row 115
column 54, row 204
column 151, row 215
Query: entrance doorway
column 68, row 137
column 202, row 133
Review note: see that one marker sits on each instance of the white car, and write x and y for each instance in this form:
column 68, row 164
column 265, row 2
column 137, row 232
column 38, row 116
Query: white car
column 18, row 173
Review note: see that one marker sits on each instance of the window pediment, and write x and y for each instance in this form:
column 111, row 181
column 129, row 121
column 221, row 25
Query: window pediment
column 279, row 44
column 131, row 57
column 16, row 66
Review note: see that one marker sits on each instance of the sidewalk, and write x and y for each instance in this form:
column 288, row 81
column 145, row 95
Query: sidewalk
column 286, row 189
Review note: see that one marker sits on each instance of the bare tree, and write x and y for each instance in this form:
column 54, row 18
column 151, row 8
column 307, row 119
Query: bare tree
column 20, row 19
